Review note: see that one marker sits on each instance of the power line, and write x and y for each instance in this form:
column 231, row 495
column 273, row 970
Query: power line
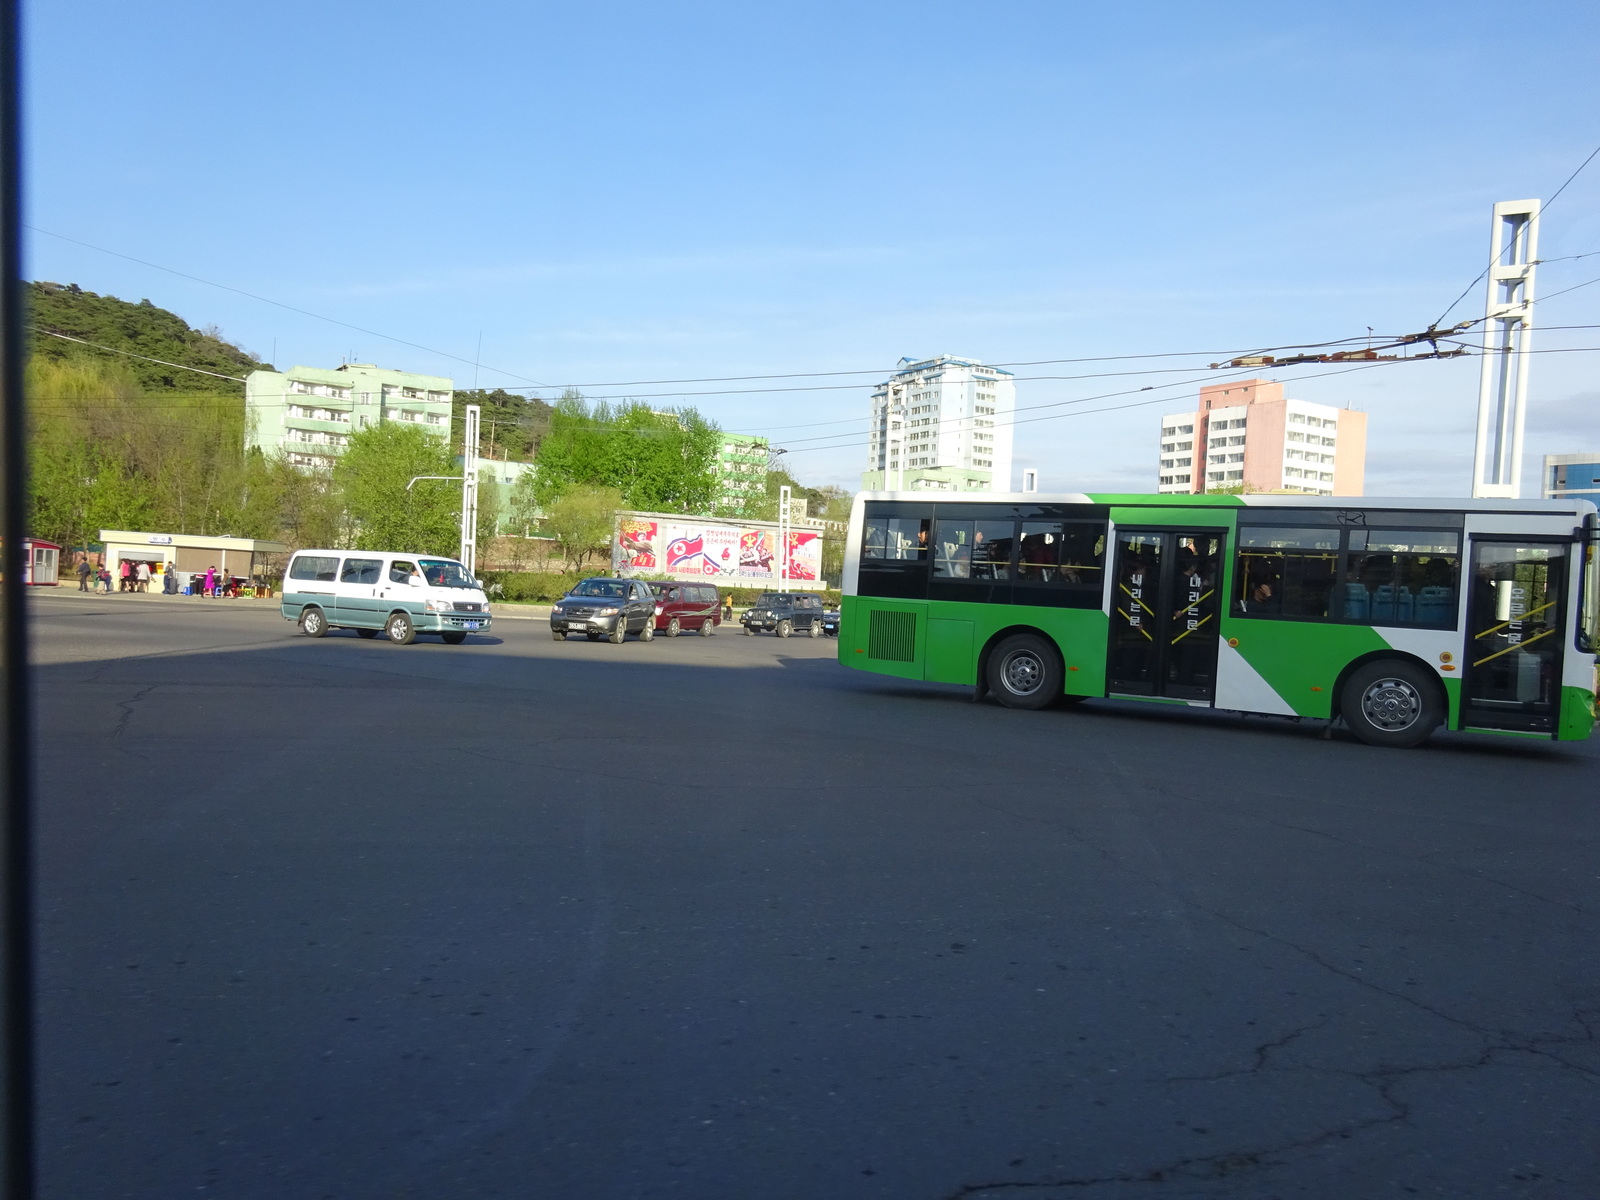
column 1120, row 407
column 131, row 354
column 280, row 304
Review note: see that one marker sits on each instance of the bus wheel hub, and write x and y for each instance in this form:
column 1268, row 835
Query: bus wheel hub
column 1023, row 673
column 1391, row 704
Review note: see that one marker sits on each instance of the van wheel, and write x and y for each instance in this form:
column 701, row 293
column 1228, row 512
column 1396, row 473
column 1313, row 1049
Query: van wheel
column 400, row 630
column 707, row 627
column 647, row 632
column 816, row 629
column 453, row 639
column 313, row 623
column 673, row 627
column 785, row 628
column 620, row 633
column 1025, row 672
column 368, row 633
column 1391, row 704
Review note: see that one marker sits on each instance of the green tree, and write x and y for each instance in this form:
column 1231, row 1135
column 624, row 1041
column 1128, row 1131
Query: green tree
column 108, row 454
column 372, row 475
column 581, row 521
column 142, row 329
column 491, row 504
column 509, row 426
column 657, row 461
column 766, row 508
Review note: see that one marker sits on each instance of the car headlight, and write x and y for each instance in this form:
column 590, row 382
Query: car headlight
column 606, row 612
column 438, row 606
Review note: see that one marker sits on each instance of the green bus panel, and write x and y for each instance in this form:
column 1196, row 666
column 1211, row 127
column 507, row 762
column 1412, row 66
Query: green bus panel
column 1300, row 660
column 1577, row 714
column 941, row 642
column 887, row 636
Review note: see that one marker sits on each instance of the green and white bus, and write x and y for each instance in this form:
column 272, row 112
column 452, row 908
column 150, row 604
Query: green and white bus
column 1397, row 616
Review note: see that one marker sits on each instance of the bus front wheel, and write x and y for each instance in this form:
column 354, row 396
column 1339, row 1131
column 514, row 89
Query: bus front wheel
column 1025, row 672
column 1391, row 704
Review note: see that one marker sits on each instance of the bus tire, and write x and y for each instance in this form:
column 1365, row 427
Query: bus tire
column 1391, row 703
column 313, row 623
column 1025, row 672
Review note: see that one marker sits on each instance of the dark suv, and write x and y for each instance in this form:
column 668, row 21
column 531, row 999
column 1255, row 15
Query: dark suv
column 605, row 608
column 784, row 613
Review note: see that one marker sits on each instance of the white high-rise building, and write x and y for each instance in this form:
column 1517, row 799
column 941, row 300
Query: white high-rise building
column 942, row 424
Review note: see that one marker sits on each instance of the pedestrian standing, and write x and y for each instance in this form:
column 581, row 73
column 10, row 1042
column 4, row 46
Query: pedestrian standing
column 124, row 576
column 83, row 573
column 144, row 577
column 211, row 581
column 169, row 580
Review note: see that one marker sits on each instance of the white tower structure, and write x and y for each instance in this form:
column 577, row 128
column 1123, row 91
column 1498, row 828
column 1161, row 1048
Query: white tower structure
column 1507, row 334
column 469, row 492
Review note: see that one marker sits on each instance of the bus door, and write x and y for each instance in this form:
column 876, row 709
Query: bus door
column 1164, row 607
column 1512, row 675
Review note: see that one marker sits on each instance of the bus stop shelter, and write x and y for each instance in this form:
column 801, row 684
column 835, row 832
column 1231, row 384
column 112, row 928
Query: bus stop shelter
column 188, row 554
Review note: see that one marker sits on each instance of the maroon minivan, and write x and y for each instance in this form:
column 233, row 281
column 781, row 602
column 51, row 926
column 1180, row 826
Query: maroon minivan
column 687, row 607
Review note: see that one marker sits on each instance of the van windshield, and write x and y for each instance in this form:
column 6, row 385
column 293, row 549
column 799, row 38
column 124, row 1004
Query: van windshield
column 443, row 572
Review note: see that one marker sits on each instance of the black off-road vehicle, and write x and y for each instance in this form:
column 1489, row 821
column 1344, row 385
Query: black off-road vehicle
column 784, row 613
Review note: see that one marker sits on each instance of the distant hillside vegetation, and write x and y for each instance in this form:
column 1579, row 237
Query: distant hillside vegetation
column 141, row 328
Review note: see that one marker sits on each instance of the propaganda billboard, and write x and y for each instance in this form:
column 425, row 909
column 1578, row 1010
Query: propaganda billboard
column 732, row 553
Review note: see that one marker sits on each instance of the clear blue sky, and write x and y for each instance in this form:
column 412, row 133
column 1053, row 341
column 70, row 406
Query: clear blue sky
column 638, row 191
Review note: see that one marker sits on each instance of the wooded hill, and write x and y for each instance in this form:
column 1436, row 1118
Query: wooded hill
column 140, row 328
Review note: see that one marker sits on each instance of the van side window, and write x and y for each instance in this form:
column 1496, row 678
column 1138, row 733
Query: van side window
column 399, row 571
column 361, row 570
column 314, row 567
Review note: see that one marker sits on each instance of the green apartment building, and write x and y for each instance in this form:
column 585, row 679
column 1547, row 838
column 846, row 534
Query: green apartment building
column 741, row 473
column 309, row 413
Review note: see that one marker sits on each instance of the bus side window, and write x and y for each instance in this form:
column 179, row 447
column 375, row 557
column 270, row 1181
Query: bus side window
column 906, row 539
column 952, row 550
column 1285, row 571
column 874, row 536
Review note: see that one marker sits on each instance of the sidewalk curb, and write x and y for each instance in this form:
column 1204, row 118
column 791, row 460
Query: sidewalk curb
column 513, row 612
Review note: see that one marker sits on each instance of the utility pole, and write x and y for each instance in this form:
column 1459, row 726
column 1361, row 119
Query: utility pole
column 18, row 1101
column 1507, row 337
column 469, row 492
column 783, row 535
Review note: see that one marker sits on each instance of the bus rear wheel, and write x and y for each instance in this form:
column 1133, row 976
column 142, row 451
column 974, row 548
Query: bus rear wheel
column 1025, row 672
column 1392, row 703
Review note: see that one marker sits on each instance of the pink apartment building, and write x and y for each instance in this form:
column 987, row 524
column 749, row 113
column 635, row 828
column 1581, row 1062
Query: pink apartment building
column 1246, row 433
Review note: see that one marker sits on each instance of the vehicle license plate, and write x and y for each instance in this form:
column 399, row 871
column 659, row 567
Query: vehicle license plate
column 474, row 624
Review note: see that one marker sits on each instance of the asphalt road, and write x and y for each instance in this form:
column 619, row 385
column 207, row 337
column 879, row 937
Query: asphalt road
column 717, row 918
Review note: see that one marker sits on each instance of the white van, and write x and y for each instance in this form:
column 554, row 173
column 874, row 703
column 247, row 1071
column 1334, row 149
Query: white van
column 398, row 595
